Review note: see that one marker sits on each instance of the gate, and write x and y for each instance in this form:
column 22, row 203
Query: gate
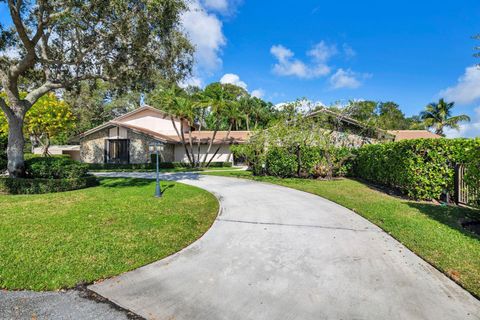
column 463, row 193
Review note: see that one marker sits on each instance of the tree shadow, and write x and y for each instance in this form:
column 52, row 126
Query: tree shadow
column 124, row 182
column 452, row 216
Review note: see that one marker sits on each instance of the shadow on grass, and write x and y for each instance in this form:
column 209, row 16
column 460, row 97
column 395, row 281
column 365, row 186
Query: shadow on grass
column 133, row 182
column 123, row 182
column 451, row 216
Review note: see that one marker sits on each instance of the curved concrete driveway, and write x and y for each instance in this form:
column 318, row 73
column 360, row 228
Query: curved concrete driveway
column 278, row 253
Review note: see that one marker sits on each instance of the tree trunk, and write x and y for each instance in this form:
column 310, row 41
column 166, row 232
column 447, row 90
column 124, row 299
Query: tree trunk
column 192, row 152
column 199, row 144
column 218, row 149
column 46, row 145
column 299, row 161
column 181, row 137
column 16, row 143
column 209, row 146
column 185, row 145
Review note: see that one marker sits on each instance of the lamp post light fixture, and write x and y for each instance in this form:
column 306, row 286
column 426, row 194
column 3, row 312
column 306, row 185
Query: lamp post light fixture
column 156, row 147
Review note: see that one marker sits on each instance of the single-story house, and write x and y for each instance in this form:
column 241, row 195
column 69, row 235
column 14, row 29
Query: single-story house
column 413, row 134
column 126, row 139
column 71, row 150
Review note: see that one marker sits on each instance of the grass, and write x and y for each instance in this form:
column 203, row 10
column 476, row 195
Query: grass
column 431, row 231
column 55, row 241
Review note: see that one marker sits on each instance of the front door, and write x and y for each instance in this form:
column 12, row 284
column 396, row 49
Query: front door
column 118, row 151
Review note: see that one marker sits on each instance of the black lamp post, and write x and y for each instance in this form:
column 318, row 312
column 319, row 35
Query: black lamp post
column 157, row 147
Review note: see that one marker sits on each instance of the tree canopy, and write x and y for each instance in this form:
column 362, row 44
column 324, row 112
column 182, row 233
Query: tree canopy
column 57, row 44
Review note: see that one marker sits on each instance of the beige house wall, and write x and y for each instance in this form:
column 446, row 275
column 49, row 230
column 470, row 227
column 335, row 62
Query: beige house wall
column 153, row 121
column 223, row 155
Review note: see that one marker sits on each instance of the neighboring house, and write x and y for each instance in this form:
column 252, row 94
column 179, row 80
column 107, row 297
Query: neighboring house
column 413, row 134
column 126, row 139
column 72, row 150
column 349, row 132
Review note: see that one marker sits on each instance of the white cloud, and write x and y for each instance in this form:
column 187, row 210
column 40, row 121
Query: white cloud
column 288, row 66
column 192, row 81
column 205, row 32
column 233, row 79
column 219, row 5
column 467, row 89
column 303, row 106
column 258, row 93
column 321, row 52
column 467, row 129
column 347, row 79
column 348, row 51
column 224, row 7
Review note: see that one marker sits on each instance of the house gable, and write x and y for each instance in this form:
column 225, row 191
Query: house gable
column 151, row 119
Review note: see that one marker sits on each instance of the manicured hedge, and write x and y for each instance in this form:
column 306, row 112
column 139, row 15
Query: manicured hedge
column 37, row 186
column 47, row 175
column 55, row 168
column 149, row 166
column 307, row 161
column 421, row 169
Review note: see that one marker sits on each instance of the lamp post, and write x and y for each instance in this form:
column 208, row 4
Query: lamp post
column 157, row 147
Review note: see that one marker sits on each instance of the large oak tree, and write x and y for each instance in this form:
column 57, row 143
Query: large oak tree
column 54, row 44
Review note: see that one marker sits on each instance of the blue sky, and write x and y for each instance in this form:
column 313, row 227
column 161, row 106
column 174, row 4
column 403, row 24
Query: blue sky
column 410, row 52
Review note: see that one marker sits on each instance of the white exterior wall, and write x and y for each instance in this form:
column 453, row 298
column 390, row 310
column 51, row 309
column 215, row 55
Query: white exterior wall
column 153, row 121
column 223, row 155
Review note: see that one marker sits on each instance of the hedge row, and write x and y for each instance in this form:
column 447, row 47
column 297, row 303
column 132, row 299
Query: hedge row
column 55, row 168
column 37, row 186
column 149, row 166
column 422, row 169
column 306, row 161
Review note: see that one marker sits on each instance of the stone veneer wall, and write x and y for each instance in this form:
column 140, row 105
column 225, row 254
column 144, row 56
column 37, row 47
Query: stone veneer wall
column 92, row 147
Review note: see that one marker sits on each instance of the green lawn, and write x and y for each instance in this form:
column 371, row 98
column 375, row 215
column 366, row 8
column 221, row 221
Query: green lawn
column 54, row 241
column 431, row 231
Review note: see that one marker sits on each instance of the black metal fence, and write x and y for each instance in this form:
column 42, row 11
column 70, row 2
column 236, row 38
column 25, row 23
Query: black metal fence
column 465, row 194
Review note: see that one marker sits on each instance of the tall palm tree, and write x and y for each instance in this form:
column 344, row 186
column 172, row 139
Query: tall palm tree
column 439, row 116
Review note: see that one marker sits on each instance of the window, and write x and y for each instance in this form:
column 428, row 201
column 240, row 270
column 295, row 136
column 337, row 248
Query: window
column 117, row 151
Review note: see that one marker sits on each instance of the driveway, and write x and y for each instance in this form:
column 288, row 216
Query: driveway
column 278, row 253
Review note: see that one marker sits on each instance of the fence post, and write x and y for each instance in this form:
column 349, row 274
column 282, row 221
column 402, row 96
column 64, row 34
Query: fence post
column 457, row 184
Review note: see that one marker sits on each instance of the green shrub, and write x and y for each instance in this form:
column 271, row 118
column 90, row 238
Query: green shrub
column 314, row 162
column 421, row 169
column 148, row 166
column 177, row 164
column 37, row 186
column 55, row 168
column 280, row 162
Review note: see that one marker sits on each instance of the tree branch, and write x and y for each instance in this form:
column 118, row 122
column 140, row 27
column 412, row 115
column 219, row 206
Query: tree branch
column 29, row 59
column 5, row 108
column 37, row 93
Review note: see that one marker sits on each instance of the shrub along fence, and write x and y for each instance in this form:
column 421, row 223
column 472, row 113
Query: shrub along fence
column 422, row 169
